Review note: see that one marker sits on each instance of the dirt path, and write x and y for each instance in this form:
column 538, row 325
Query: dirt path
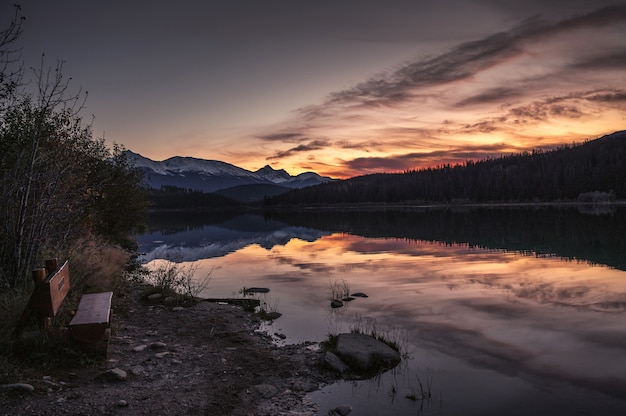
column 202, row 360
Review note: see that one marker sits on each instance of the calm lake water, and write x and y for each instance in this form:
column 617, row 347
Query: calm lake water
column 500, row 311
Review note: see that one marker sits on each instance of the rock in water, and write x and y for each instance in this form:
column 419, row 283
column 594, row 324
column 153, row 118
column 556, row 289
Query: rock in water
column 359, row 295
column 256, row 290
column 335, row 362
column 336, row 304
column 365, row 351
column 342, row 410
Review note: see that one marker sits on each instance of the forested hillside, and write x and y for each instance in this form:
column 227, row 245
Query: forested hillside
column 594, row 170
column 173, row 198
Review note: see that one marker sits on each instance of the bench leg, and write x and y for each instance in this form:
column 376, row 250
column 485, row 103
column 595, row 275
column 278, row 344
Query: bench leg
column 100, row 347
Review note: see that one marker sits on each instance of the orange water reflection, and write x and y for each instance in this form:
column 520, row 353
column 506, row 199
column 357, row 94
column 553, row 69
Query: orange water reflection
column 534, row 317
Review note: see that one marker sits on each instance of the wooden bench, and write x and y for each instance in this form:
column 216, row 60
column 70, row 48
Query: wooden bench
column 89, row 328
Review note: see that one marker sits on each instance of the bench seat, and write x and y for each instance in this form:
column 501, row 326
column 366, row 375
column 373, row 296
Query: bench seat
column 92, row 318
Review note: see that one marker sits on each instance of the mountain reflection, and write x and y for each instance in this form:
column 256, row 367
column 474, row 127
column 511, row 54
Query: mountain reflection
column 570, row 233
column 505, row 306
column 193, row 237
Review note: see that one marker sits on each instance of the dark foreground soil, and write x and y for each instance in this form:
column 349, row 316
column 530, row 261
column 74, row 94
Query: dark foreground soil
column 201, row 360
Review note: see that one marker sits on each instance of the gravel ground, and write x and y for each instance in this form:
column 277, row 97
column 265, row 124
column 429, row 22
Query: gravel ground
column 202, row 360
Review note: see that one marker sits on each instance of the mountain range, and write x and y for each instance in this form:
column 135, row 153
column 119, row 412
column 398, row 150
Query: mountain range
column 213, row 176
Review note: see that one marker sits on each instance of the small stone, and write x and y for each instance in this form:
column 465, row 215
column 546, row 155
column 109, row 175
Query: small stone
column 136, row 370
column 348, row 299
column 178, row 309
column 342, row 410
column 336, row 304
column 272, row 316
column 359, row 295
column 140, row 348
column 114, row 374
column 18, row 387
column 266, row 390
column 49, row 383
column 158, row 345
column 155, row 296
column 162, row 354
column 169, row 300
column 122, row 403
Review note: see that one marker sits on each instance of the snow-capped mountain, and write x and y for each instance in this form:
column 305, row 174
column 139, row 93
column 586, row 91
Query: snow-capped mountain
column 214, row 175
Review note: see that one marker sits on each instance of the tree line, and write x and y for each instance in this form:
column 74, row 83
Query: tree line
column 581, row 233
column 592, row 171
column 58, row 183
column 175, row 198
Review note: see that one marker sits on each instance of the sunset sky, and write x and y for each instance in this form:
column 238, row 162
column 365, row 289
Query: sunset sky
column 342, row 88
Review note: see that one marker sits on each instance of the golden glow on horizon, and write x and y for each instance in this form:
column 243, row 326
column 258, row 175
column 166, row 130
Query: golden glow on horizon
column 537, row 85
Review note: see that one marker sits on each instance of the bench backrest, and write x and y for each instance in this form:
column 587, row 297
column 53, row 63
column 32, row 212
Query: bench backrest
column 54, row 290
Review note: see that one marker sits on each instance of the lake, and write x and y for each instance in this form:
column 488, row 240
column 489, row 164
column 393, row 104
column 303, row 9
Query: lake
column 512, row 311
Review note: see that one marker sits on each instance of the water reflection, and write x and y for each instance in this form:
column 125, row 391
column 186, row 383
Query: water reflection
column 196, row 237
column 502, row 328
column 569, row 232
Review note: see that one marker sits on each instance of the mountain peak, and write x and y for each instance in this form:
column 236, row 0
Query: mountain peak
column 214, row 175
column 274, row 175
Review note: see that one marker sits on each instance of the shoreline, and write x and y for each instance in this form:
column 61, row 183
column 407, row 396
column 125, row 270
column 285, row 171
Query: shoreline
column 208, row 358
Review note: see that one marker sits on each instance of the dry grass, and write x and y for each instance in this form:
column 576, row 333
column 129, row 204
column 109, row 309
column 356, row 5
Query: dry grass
column 339, row 289
column 179, row 281
column 94, row 267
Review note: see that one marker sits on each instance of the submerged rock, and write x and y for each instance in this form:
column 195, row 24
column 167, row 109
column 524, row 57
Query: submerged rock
column 273, row 315
column 256, row 290
column 359, row 295
column 335, row 362
column 336, row 304
column 343, row 410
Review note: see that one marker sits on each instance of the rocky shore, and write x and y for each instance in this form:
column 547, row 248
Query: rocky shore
column 206, row 359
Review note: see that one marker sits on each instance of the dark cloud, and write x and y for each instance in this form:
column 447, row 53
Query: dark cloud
column 541, row 110
column 613, row 60
column 283, row 137
column 397, row 163
column 617, row 96
column 490, row 96
column 569, row 111
column 313, row 145
column 462, row 62
column 485, row 126
column 377, row 164
column 457, row 64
